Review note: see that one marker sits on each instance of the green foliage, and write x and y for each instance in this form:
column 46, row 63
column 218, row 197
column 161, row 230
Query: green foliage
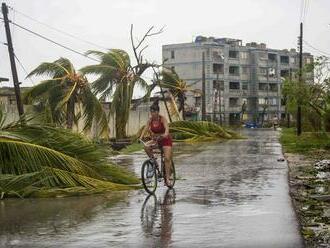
column 305, row 143
column 36, row 157
column 117, row 80
column 195, row 131
column 312, row 96
column 176, row 86
column 66, row 97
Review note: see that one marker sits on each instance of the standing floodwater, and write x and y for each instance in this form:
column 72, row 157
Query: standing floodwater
column 232, row 194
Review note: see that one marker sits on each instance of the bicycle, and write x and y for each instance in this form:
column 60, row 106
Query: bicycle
column 151, row 174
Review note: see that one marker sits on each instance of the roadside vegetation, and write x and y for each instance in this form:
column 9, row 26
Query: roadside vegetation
column 308, row 143
column 308, row 155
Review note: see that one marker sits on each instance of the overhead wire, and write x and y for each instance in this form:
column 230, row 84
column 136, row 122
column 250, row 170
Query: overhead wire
column 316, row 49
column 302, row 5
column 23, row 67
column 54, row 42
column 59, row 30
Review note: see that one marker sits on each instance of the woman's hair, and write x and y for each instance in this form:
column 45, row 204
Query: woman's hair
column 155, row 106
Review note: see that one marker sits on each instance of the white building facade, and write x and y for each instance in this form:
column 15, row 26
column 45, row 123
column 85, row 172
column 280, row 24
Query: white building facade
column 243, row 82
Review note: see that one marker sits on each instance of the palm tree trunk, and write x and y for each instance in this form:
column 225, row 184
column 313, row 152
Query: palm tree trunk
column 183, row 111
column 121, row 122
column 122, row 111
column 70, row 112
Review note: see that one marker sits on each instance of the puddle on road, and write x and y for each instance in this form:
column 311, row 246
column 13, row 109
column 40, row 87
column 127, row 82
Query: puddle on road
column 235, row 194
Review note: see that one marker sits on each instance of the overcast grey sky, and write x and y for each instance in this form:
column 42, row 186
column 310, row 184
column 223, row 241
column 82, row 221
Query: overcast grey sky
column 107, row 23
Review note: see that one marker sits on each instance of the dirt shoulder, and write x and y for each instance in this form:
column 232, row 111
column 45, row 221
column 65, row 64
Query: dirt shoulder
column 310, row 193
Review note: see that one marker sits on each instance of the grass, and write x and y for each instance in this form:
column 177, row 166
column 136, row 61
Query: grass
column 307, row 143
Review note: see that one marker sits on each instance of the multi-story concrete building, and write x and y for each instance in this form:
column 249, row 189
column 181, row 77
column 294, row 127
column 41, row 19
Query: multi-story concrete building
column 242, row 81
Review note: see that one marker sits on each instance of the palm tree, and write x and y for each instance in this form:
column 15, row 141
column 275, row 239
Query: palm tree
column 64, row 93
column 117, row 81
column 34, row 157
column 176, row 87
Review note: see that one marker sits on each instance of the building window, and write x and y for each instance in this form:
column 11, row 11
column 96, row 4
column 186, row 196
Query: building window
column 233, row 54
column 217, row 84
column 263, row 86
column 244, row 55
column 172, row 54
column 217, row 55
column 308, row 60
column 272, row 101
column 284, row 59
column 233, row 102
column 285, row 73
column 234, row 70
column 218, row 68
column 272, row 57
column 273, row 87
column 272, row 72
column 234, row 85
column 245, row 86
column 262, row 101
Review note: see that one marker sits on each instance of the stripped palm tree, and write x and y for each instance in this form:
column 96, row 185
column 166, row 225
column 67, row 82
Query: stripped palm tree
column 67, row 95
column 34, row 157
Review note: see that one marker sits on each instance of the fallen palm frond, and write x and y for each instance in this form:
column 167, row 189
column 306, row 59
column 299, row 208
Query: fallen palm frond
column 42, row 157
column 197, row 131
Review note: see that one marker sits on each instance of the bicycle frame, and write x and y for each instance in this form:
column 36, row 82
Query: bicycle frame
column 162, row 165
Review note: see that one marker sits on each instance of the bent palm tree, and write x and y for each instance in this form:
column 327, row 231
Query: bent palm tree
column 176, row 87
column 65, row 92
column 117, row 80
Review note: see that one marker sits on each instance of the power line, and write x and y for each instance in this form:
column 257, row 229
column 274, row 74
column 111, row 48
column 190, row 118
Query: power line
column 316, row 49
column 301, row 9
column 59, row 31
column 23, row 67
column 54, row 42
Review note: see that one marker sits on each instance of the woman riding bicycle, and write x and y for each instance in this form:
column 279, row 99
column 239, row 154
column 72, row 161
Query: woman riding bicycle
column 158, row 127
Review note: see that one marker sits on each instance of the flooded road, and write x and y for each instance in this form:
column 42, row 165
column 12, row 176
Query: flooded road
column 232, row 194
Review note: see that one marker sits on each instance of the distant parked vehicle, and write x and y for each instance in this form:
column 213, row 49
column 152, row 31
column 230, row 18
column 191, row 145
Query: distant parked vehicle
column 252, row 125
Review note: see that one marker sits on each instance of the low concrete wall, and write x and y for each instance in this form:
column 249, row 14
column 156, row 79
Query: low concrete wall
column 137, row 118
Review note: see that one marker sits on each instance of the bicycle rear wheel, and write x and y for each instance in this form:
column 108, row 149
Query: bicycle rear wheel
column 149, row 176
column 172, row 176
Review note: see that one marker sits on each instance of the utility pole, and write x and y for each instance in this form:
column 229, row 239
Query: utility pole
column 12, row 60
column 286, row 104
column 219, row 85
column 203, row 89
column 300, row 79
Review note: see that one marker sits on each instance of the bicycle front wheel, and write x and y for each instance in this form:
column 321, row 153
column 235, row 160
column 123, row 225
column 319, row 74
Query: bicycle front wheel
column 149, row 176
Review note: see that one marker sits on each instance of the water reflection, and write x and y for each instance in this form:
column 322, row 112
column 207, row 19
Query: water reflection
column 51, row 216
column 157, row 218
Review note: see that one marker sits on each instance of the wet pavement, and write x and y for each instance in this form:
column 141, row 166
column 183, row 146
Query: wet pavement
column 231, row 194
